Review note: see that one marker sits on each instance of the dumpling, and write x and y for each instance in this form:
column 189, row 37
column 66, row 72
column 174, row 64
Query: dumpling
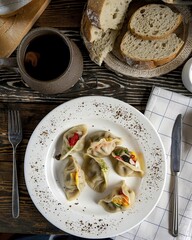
column 102, row 143
column 120, row 199
column 73, row 141
column 74, row 179
column 126, row 162
column 96, row 171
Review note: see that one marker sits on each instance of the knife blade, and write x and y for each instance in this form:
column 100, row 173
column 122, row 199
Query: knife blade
column 176, row 144
column 175, row 168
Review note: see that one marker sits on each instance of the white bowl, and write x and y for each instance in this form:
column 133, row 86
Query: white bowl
column 10, row 7
column 187, row 75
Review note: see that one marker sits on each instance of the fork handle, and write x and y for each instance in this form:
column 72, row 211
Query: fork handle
column 15, row 190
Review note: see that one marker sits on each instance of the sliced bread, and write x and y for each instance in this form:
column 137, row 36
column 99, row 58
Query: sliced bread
column 159, row 51
column 107, row 14
column 154, row 21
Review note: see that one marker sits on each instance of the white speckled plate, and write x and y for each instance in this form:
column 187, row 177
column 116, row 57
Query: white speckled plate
column 44, row 174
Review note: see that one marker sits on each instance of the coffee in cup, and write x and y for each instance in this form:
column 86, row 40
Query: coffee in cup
column 47, row 60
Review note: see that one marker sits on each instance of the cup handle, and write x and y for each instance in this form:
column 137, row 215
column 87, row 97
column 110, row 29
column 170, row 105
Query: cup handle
column 9, row 63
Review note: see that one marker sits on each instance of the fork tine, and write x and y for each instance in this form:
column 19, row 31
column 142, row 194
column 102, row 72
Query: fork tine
column 9, row 119
column 10, row 125
column 19, row 122
column 14, row 122
column 10, row 122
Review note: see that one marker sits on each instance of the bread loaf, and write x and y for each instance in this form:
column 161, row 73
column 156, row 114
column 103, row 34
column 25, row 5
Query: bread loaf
column 154, row 21
column 99, row 49
column 107, row 14
column 100, row 26
column 90, row 32
column 98, row 42
column 159, row 51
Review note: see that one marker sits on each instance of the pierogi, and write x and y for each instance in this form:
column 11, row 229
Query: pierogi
column 120, row 199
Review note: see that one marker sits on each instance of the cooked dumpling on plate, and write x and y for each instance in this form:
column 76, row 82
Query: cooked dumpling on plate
column 126, row 162
column 96, row 171
column 74, row 179
column 102, row 143
column 73, row 141
column 120, row 199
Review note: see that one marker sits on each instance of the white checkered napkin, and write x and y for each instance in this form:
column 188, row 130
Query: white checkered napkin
column 162, row 109
column 9, row 6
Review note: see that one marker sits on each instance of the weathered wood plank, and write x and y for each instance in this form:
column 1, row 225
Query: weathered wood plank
column 99, row 81
column 62, row 13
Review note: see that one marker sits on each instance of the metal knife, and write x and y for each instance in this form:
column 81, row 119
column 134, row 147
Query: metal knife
column 175, row 168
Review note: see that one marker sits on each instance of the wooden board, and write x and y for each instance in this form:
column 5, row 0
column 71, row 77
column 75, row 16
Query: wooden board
column 14, row 28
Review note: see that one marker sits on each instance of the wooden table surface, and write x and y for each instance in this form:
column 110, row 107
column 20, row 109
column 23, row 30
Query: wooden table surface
column 33, row 106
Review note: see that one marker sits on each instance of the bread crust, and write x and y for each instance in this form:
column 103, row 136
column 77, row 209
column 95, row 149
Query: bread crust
column 141, row 65
column 107, row 14
column 94, row 8
column 146, row 65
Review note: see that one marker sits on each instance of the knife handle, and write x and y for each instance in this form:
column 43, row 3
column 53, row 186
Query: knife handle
column 175, row 207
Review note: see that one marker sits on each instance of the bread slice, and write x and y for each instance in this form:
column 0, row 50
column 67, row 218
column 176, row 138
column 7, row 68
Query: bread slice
column 107, row 14
column 159, row 51
column 154, row 21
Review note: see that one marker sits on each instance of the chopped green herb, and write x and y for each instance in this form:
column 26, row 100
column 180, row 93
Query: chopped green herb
column 103, row 166
column 116, row 205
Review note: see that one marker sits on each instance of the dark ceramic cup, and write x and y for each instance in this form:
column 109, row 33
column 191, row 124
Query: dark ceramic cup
column 47, row 60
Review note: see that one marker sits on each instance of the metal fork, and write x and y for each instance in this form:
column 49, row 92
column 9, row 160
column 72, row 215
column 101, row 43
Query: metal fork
column 15, row 137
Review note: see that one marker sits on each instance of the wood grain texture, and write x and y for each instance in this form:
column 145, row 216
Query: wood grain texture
column 33, row 106
column 62, row 14
column 133, row 91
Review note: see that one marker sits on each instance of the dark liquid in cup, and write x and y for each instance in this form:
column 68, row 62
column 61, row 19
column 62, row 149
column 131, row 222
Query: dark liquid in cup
column 46, row 57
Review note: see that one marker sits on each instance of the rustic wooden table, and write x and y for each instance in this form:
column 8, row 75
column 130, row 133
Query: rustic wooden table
column 64, row 15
